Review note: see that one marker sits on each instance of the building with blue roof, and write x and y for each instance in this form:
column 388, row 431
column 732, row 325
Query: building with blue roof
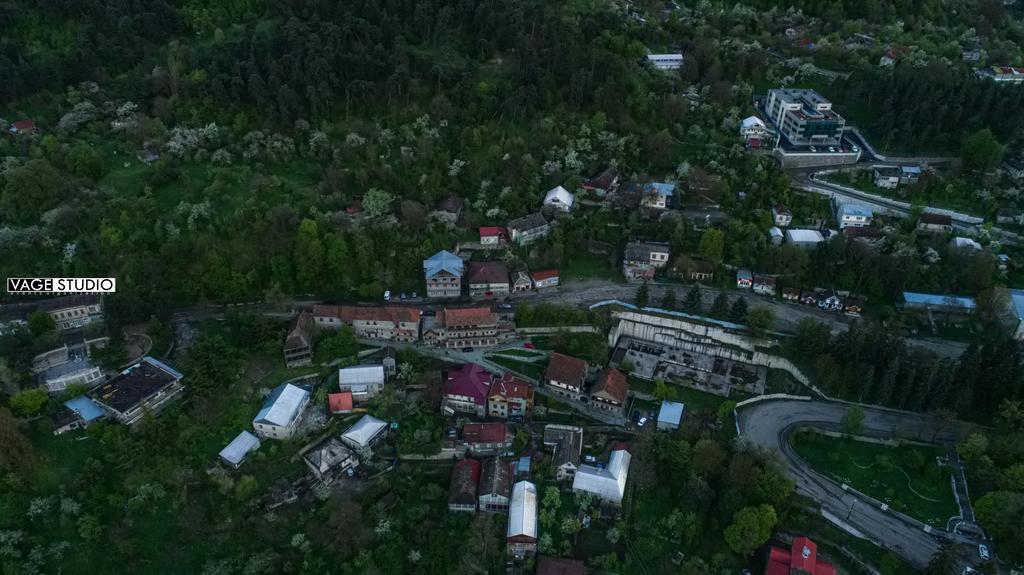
column 1009, row 304
column 951, row 304
column 443, row 272
column 853, row 215
column 670, row 414
column 657, row 195
column 77, row 413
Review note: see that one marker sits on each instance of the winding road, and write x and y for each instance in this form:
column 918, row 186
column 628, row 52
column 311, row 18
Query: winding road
column 768, row 424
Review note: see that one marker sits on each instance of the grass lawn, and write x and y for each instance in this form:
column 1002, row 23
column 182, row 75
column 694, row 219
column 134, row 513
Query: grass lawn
column 586, row 266
column 527, row 353
column 532, row 370
column 906, row 477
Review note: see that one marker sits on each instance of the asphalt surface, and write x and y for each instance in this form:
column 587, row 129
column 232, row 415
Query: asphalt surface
column 767, row 425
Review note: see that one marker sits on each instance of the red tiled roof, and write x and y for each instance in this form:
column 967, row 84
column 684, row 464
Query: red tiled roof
column 23, row 125
column 394, row 314
column 559, row 566
column 764, row 280
column 511, row 387
column 487, row 273
column 469, row 380
column 565, row 369
column 612, row 382
column 469, row 317
column 802, row 556
column 542, row 275
column 340, row 402
column 936, row 219
column 484, row 432
column 465, row 477
column 491, row 231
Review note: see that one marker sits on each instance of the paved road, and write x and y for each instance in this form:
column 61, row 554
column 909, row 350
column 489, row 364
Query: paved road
column 768, row 425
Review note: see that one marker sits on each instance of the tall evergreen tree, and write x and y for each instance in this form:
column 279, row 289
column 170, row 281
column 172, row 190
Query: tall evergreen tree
column 720, row 307
column 668, row 301
column 693, row 301
column 738, row 311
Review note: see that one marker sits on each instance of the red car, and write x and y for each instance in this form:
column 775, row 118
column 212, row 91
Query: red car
column 528, row 345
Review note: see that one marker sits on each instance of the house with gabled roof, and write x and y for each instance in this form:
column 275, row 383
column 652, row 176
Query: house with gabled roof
column 282, row 412
column 365, row 433
column 490, row 438
column 461, row 327
column 528, row 228
column 545, row 278
column 488, row 279
column 610, row 391
column 566, row 375
column 393, row 323
column 298, row 345
column 801, row 558
column 463, row 488
column 329, row 458
column 495, row 486
column 493, row 236
column 465, row 390
column 510, row 396
column 566, row 445
column 443, row 273
column 236, row 452
column 607, row 483
column 560, row 199
column 364, row 382
column 657, row 195
column 603, row 183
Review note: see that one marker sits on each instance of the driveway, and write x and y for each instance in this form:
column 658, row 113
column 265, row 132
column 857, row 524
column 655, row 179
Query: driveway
column 768, row 424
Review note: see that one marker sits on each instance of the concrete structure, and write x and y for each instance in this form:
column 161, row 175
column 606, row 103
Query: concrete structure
column 522, row 521
column 641, row 260
column 804, row 238
column 364, row 382
column 75, row 371
column 391, row 323
column 804, row 158
column 298, row 344
column 282, row 412
column 670, row 415
column 610, row 391
column 665, row 62
column 1010, row 216
column 804, row 117
column 365, row 433
column 853, row 215
column 560, row 199
column 462, row 493
column 528, row 229
column 510, row 397
column 606, row 483
column 495, row 486
column 466, row 389
column 909, row 175
column 235, row 453
column 329, row 458
column 566, row 375
column 443, row 275
column 148, row 386
column 566, row 445
column 488, row 279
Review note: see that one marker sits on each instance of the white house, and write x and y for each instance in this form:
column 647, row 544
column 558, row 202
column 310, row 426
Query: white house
column 665, row 61
column 781, row 216
column 282, row 412
column 887, row 177
column 364, row 433
column 959, row 243
column 853, row 215
column 657, row 195
column 239, row 448
column 669, row 416
column 608, row 483
column 364, row 381
column 560, row 198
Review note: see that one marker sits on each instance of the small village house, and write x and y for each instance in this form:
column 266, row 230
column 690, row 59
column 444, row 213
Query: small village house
column 340, row 403
column 365, row 433
column 657, row 195
column 466, row 389
column 510, row 397
column 933, row 223
column 364, row 382
column 744, row 279
column 559, row 198
column 528, row 229
column 693, row 269
column 566, row 375
column 886, row 177
column 606, row 483
column 235, row 453
column 449, row 211
column 610, row 391
column 298, row 345
column 488, row 279
column 603, row 183
column 545, row 279
column 77, row 413
column 853, row 215
column 493, row 236
column 566, row 445
column 804, row 238
column 495, row 491
column 781, row 216
column 462, row 496
column 282, row 412
column 487, row 438
column 465, row 327
column 521, row 282
column 443, row 274
column 391, row 323
column 641, row 260
column 763, row 285
column 670, row 414
column 329, row 458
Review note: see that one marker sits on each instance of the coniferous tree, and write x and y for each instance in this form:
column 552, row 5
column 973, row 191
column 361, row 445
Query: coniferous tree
column 693, row 301
column 720, row 307
column 738, row 311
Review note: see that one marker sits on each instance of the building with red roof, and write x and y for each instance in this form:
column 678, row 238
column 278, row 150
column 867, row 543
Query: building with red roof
column 340, row 402
column 800, row 559
column 510, row 397
column 462, row 493
column 488, row 279
column 393, row 323
column 483, row 438
column 493, row 236
column 547, row 565
column 566, row 375
column 22, row 127
column 465, row 390
column 463, row 327
column 610, row 391
column 545, row 278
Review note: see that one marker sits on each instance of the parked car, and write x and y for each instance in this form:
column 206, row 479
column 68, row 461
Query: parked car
column 404, row 296
column 467, row 350
column 528, row 345
column 387, row 295
column 642, row 421
column 415, row 295
column 983, row 551
column 589, row 459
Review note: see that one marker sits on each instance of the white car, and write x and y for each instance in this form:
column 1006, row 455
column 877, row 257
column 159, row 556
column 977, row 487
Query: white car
column 642, row 421
column 831, row 149
column 387, row 295
column 983, row 552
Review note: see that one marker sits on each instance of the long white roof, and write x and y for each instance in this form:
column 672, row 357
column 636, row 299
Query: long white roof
column 361, row 375
column 522, row 510
column 364, row 430
column 560, row 194
column 239, row 447
column 283, row 405
column 608, row 483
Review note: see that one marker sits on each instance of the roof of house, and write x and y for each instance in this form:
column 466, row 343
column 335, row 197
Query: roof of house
column 560, row 195
column 962, row 243
column 492, row 231
column 804, row 236
column 86, row 408
column 496, row 478
column 357, row 375
column 887, row 171
column 542, row 275
column 495, row 432
column 764, row 280
column 671, row 412
column 487, row 273
column 443, row 261
column 135, row 384
column 69, row 301
column 300, row 333
column 468, row 317
column 911, row 169
column 511, row 387
column 939, row 300
column 602, row 181
column 775, row 232
column 1009, row 212
column 239, row 447
column 339, row 402
column 393, row 314
column 607, row 483
column 854, row 210
column 665, row 189
column 611, row 382
column 1017, row 302
column 23, row 124
column 364, row 430
column 637, row 251
column 750, row 122
column 468, row 380
column 936, row 219
column 282, row 406
column 522, row 512
column 465, row 476
column 328, row 454
column 451, row 204
column 566, row 442
column 521, row 277
column 528, row 222
column 547, row 565
column 802, row 557
column 743, row 274
column 566, row 369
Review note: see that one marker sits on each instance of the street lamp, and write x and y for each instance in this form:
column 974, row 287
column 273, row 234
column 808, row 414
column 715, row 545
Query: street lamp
column 850, row 512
